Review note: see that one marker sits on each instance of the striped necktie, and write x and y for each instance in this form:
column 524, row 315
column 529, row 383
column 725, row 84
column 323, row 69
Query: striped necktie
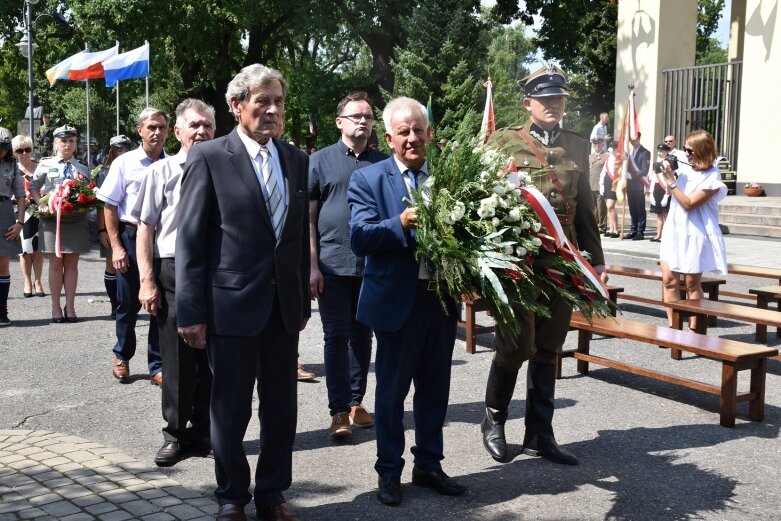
column 67, row 172
column 274, row 202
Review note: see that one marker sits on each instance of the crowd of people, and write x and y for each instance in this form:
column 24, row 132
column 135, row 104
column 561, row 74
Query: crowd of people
column 228, row 301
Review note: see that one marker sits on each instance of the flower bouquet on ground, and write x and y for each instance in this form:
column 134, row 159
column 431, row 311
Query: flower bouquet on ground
column 484, row 235
column 72, row 197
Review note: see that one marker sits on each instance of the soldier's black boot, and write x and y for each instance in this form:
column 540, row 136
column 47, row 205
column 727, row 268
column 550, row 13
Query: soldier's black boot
column 498, row 393
column 539, row 440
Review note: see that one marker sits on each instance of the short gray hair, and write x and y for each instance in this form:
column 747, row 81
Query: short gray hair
column 408, row 106
column 150, row 112
column 20, row 142
column 196, row 105
column 251, row 76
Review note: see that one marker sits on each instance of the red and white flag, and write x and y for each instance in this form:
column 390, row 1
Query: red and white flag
column 488, row 126
column 89, row 65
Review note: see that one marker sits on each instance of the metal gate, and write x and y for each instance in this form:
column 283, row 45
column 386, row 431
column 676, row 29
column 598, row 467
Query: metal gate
column 704, row 97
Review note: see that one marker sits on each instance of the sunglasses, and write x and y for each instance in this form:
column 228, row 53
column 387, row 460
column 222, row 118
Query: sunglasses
column 23, row 150
column 669, row 140
column 688, row 150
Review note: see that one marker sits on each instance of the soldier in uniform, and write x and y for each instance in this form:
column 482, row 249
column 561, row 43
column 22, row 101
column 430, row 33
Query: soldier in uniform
column 542, row 143
column 596, row 160
column 44, row 136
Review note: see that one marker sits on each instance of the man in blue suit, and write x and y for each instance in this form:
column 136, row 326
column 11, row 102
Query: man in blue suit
column 415, row 335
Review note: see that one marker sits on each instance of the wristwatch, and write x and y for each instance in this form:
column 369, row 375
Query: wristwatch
column 672, row 186
column 20, row 222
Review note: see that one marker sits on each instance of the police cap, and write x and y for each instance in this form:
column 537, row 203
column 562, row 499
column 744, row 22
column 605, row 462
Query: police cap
column 65, row 131
column 548, row 80
column 120, row 141
column 5, row 139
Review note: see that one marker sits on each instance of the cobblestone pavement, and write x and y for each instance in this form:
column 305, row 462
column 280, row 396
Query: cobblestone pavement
column 52, row 476
column 75, row 444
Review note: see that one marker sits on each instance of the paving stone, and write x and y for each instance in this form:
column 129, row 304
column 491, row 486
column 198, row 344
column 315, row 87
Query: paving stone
column 17, row 479
column 10, row 497
column 158, row 516
column 102, row 486
column 60, row 508
column 31, row 489
column 152, row 493
column 81, row 516
column 81, row 455
column 58, row 482
column 7, row 460
column 90, row 479
column 45, row 476
column 45, row 499
column 13, row 506
column 72, row 491
column 184, row 511
column 72, row 470
column 119, row 496
column 166, row 501
column 8, row 517
column 182, row 492
column 85, row 501
column 59, row 460
column 101, row 508
column 140, row 507
column 31, row 513
column 117, row 515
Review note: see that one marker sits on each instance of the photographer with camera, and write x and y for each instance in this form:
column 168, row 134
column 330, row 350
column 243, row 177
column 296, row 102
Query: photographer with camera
column 692, row 242
column 660, row 201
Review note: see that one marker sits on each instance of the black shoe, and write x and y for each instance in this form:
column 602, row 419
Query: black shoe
column 638, row 237
column 4, row 321
column 169, row 454
column 547, row 448
column 629, row 236
column 437, row 480
column 27, row 295
column 389, row 491
column 492, row 428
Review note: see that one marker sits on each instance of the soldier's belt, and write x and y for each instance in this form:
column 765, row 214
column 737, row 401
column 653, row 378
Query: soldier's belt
column 566, row 220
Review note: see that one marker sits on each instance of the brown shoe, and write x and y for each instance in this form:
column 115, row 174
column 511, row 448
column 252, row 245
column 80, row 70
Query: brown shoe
column 340, row 425
column 303, row 375
column 360, row 417
column 276, row 513
column 121, row 370
column 231, row 512
column 157, row 379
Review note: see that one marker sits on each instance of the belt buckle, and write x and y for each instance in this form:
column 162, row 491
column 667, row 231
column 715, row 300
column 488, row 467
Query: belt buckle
column 431, row 285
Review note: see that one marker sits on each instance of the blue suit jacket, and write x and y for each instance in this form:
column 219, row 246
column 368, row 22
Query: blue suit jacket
column 376, row 198
column 390, row 275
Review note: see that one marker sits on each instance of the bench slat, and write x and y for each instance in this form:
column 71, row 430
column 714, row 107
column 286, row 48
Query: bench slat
column 754, row 271
column 707, row 346
column 733, row 311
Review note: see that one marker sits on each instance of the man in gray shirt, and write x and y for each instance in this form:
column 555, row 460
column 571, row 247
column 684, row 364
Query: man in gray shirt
column 335, row 278
column 187, row 382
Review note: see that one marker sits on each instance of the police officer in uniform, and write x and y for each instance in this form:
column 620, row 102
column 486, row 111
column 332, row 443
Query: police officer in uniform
column 542, row 143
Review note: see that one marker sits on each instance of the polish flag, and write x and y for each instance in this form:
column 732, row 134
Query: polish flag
column 89, row 66
column 127, row 66
column 61, row 70
column 488, row 126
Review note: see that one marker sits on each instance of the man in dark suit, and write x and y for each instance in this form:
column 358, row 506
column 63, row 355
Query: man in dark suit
column 637, row 165
column 415, row 335
column 242, row 278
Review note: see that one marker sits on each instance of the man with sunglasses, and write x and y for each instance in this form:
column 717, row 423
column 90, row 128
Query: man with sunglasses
column 335, row 279
column 679, row 154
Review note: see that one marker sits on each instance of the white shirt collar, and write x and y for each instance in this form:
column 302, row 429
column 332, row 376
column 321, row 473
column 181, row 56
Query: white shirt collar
column 403, row 168
column 253, row 147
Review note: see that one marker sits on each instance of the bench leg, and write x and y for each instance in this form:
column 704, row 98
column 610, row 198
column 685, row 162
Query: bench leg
column 584, row 339
column 675, row 354
column 729, row 395
column 761, row 335
column 756, row 406
column 469, row 329
column 714, row 296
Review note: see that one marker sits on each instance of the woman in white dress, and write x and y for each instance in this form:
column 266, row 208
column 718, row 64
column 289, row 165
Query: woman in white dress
column 692, row 242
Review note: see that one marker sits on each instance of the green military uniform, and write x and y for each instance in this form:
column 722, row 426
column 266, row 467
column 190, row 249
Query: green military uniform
column 569, row 193
column 567, row 154
column 44, row 136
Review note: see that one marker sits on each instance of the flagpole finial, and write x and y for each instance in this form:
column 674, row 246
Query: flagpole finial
column 631, row 86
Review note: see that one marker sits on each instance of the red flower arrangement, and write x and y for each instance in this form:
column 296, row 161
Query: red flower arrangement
column 72, row 196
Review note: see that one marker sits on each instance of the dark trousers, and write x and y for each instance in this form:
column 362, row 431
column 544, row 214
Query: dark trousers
column 348, row 343
column 635, row 196
column 236, row 363
column 600, row 211
column 128, row 306
column 188, row 379
column 420, row 352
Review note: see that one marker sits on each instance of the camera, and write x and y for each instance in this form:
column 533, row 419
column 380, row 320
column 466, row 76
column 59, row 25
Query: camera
column 658, row 166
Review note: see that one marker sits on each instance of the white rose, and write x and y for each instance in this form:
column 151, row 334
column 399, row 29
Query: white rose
column 526, row 225
column 500, row 189
column 520, row 251
column 508, row 250
column 514, row 215
column 517, row 230
column 495, row 221
column 536, row 226
column 536, row 241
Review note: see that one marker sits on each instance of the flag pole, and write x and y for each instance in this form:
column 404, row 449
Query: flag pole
column 86, row 48
column 117, row 87
column 146, row 42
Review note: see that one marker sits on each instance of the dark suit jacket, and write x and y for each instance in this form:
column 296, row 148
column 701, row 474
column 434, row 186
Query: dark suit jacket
column 390, row 275
column 643, row 161
column 229, row 266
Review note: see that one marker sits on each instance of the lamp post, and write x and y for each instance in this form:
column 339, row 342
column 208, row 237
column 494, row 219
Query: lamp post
column 26, row 48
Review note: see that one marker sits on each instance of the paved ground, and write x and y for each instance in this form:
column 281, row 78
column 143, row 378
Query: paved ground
column 75, row 444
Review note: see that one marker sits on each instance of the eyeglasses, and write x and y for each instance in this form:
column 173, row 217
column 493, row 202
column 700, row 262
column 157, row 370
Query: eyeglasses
column 688, row 150
column 669, row 141
column 356, row 118
column 23, row 150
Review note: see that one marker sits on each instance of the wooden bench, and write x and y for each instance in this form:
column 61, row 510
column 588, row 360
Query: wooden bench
column 734, row 357
column 474, row 304
column 703, row 308
column 710, row 286
column 750, row 271
column 764, row 296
